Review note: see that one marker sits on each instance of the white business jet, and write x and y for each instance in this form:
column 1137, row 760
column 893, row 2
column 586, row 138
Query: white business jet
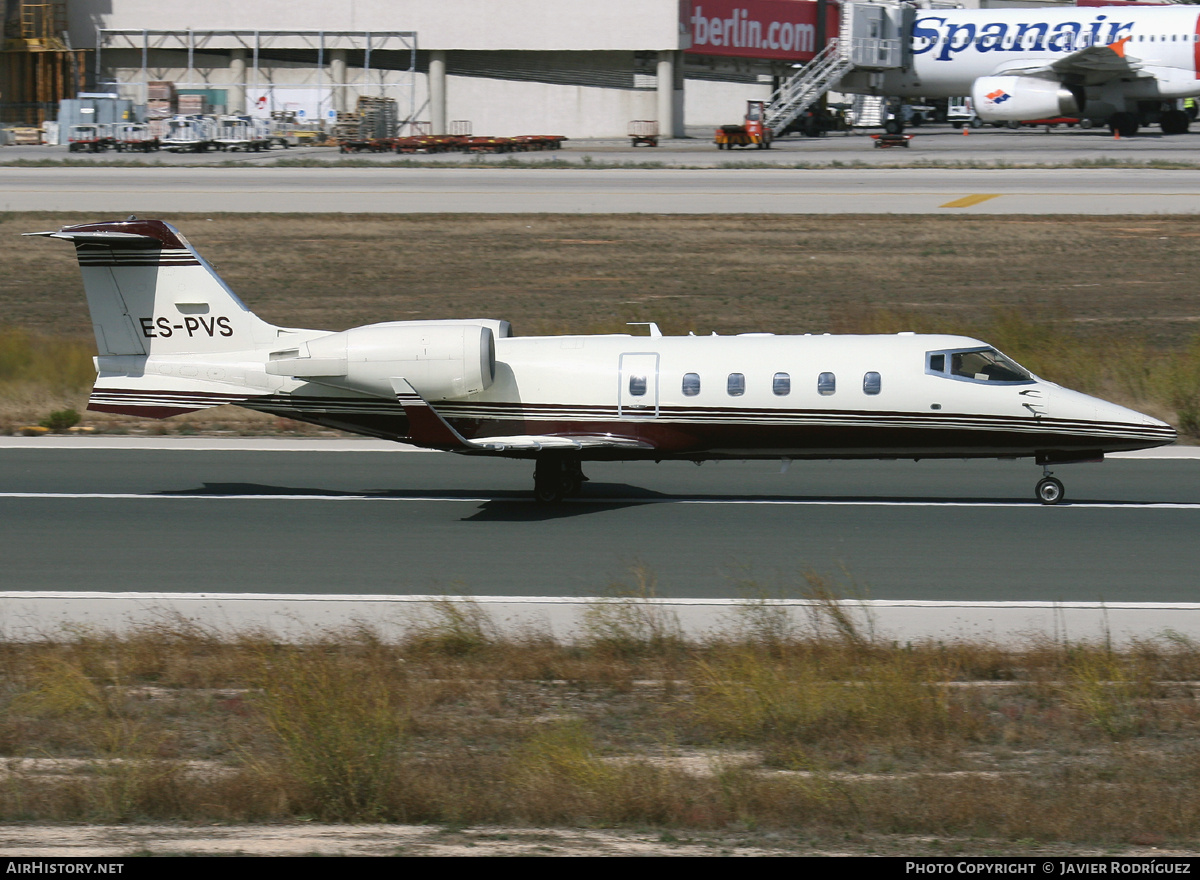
column 173, row 338
column 1129, row 66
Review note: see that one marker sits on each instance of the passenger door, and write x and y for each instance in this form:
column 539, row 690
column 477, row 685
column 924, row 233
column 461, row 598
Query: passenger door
column 637, row 388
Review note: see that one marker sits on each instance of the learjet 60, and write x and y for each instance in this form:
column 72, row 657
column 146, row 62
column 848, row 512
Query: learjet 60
column 174, row 338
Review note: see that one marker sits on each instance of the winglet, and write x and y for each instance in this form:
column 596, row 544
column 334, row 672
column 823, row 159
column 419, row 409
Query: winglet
column 1119, row 46
column 425, row 426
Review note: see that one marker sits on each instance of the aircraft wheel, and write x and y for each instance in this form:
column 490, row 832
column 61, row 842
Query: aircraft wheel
column 1049, row 490
column 1174, row 122
column 548, row 491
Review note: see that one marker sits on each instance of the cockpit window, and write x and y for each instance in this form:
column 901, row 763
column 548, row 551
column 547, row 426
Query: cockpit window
column 976, row 365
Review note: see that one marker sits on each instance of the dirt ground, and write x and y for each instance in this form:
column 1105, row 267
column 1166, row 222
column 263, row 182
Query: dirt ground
column 585, row 273
column 428, row 840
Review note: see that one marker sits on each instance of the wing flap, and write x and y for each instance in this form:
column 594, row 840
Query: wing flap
column 1090, row 66
column 426, row 427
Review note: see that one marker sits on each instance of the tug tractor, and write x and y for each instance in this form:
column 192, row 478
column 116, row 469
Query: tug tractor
column 752, row 132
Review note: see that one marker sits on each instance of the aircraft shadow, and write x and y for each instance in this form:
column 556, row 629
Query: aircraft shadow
column 250, row 490
column 595, row 498
column 518, row 506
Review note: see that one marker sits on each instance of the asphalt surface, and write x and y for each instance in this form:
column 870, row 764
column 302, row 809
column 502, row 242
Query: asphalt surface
column 988, row 172
column 929, row 143
column 402, row 523
column 166, row 191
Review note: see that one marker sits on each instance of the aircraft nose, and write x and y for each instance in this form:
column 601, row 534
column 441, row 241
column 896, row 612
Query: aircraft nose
column 1154, row 432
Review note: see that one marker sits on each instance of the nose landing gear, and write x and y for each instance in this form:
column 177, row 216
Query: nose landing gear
column 1049, row 489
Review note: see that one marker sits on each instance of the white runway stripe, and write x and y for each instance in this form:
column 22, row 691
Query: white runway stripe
column 773, row 502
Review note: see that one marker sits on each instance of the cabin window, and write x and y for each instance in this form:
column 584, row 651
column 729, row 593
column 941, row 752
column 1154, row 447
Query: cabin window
column 872, row 383
column 691, row 384
column 637, row 386
column 937, row 363
column 736, row 385
column 781, row 384
column 826, row 384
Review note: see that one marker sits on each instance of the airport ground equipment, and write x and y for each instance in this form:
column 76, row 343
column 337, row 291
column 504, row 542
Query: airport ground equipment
column 192, row 134
column 89, row 137
column 643, row 131
column 243, row 133
column 868, row 40
column 884, row 141
column 134, row 137
column 753, row 132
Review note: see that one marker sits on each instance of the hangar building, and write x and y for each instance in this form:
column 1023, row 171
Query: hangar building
column 580, row 68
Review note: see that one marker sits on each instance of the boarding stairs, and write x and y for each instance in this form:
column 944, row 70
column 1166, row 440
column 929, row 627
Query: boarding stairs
column 868, row 39
column 868, row 111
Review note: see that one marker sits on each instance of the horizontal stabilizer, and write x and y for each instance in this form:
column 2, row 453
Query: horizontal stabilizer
column 160, row 397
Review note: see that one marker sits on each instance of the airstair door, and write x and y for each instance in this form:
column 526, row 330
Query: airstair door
column 637, row 389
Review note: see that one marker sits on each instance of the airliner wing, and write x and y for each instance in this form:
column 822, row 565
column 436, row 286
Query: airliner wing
column 426, row 427
column 1092, row 66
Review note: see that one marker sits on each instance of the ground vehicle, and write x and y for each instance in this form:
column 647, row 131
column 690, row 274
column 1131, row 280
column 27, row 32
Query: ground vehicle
column 961, row 112
column 751, row 133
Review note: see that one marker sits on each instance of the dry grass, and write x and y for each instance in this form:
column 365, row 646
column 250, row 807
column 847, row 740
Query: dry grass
column 823, row 733
column 1103, row 304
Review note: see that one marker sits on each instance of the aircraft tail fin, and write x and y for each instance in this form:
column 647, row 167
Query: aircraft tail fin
column 150, row 292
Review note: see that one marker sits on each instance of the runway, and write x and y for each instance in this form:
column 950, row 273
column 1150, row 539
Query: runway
column 166, row 191
column 320, row 521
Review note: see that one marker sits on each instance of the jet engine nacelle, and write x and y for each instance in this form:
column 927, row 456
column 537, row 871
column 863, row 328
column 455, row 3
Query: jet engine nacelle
column 442, row 360
column 1019, row 98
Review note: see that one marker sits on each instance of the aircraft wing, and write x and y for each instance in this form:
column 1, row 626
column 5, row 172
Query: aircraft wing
column 1092, row 66
column 426, row 427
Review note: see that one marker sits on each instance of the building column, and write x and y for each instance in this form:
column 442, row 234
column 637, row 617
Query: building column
column 235, row 95
column 666, row 94
column 337, row 77
column 437, row 92
column 677, row 97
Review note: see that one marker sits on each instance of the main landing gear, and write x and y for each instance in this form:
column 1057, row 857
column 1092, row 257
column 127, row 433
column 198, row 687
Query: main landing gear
column 556, row 477
column 1049, row 489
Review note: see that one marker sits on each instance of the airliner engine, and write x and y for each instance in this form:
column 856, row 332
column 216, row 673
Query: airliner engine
column 1021, row 98
column 442, row 360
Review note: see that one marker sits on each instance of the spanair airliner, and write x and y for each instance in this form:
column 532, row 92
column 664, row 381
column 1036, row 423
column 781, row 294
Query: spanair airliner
column 173, row 338
column 1127, row 66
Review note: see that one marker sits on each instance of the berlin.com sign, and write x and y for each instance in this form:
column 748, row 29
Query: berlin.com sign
column 777, row 29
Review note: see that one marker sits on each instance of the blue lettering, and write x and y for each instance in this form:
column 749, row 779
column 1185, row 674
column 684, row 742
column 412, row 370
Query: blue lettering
column 953, row 42
column 1116, row 31
column 991, row 36
column 1064, row 36
column 1036, row 44
column 946, row 38
column 924, row 39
